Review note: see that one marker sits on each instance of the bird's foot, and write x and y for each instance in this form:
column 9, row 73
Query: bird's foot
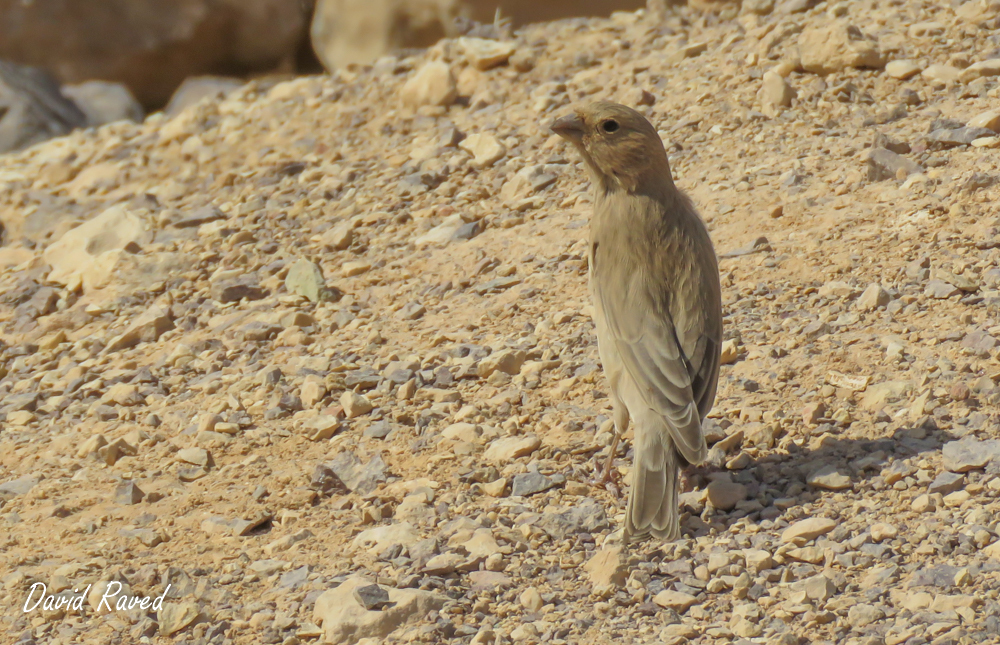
column 686, row 484
column 609, row 478
column 692, row 477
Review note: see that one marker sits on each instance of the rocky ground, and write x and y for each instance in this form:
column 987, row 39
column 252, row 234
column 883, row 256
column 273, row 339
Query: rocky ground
column 321, row 358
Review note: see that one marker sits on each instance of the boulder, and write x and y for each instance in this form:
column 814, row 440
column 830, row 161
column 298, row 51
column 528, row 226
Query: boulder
column 196, row 88
column 32, row 109
column 346, row 32
column 88, row 254
column 152, row 45
column 346, row 621
column 103, row 102
column 838, row 46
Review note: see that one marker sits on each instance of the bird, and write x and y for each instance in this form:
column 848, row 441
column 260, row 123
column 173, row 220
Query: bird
column 654, row 281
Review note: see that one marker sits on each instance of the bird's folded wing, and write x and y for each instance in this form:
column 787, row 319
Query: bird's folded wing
column 674, row 370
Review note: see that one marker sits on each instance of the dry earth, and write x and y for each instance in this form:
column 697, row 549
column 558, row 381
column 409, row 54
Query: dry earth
column 338, row 328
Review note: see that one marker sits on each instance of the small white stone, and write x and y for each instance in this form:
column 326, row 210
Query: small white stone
column 485, row 149
column 355, row 404
column 902, row 69
column 433, row 84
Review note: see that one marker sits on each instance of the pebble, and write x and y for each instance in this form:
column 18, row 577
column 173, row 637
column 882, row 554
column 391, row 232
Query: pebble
column 607, row 569
column 923, row 504
column 862, row 615
column 527, row 182
column 941, row 73
column 836, row 47
column 759, row 7
column 940, row 290
column 775, row 93
column 196, row 456
column 377, row 540
column 725, row 495
column 946, row 483
column 885, row 164
column 808, row 529
column 345, row 620
column 306, row 279
column 359, row 476
column 371, row 597
column 354, row 267
column 509, row 448
column 313, row 391
column 758, row 560
column 881, row 531
column 486, row 54
column 819, row 588
column 730, row 352
column 433, row 84
column 127, row 493
column 902, row 69
column 485, row 149
column 497, row 488
column 982, row 69
column 355, row 405
column 321, row 428
column 676, row 600
column 340, row 237
column 469, row 432
column 531, row 600
column 969, row 454
column 20, row 418
column 84, row 255
column 174, row 617
column 957, row 498
column 445, row 231
column 482, row 545
column 989, row 120
column 506, row 361
column 530, row 483
column 873, row 297
column 146, row 328
column 813, row 413
column 829, row 477
column 958, row 136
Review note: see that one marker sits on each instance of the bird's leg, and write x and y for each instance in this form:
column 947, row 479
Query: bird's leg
column 609, row 464
column 692, row 476
column 610, row 478
column 687, row 480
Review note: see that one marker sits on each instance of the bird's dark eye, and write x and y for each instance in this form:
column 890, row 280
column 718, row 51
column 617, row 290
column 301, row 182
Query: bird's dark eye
column 610, row 126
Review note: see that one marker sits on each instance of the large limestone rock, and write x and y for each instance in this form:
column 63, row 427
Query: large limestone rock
column 345, row 32
column 88, row 254
column 838, row 46
column 32, row 109
column 345, row 621
column 522, row 12
column 197, row 88
column 104, row 102
column 151, row 45
column 360, row 31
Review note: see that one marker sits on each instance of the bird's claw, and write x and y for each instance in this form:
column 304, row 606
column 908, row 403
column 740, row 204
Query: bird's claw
column 608, row 478
column 692, row 478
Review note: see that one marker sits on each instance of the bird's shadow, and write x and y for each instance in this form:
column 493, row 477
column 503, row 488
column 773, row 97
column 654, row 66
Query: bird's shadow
column 779, row 493
column 781, row 479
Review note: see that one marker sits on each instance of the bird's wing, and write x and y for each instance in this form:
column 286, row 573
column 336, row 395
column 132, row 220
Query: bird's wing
column 672, row 360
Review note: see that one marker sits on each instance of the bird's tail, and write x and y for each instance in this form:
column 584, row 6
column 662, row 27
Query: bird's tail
column 653, row 500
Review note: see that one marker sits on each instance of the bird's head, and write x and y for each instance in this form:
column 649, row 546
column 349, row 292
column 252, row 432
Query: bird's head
column 621, row 148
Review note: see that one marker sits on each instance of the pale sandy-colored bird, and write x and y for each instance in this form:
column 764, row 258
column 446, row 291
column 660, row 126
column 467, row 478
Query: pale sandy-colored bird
column 654, row 279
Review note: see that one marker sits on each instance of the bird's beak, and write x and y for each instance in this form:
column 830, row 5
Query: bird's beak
column 569, row 127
